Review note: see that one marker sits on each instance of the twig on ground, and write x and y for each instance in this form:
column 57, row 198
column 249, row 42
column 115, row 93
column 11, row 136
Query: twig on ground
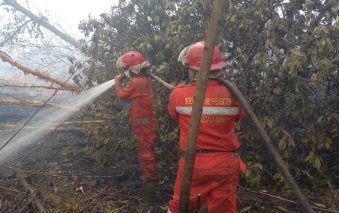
column 286, row 200
column 93, row 198
column 35, row 199
column 11, row 190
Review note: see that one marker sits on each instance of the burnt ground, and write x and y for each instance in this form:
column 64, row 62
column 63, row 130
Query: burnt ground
column 65, row 177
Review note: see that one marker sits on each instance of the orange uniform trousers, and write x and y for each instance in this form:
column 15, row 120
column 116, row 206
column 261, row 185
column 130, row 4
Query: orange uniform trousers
column 215, row 178
column 147, row 162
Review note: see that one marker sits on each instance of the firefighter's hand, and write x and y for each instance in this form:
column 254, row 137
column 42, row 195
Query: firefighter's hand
column 118, row 79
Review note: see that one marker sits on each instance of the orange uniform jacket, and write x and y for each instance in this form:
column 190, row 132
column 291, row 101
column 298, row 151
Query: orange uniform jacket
column 139, row 91
column 220, row 112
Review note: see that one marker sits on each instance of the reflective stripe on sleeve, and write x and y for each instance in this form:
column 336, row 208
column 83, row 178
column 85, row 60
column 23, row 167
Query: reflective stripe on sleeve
column 210, row 110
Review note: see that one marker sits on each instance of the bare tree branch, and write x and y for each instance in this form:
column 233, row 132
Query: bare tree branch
column 43, row 23
column 30, row 86
column 6, row 58
column 21, row 100
column 14, row 33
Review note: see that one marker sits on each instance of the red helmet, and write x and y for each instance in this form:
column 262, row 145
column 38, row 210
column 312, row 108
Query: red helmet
column 191, row 57
column 133, row 61
column 130, row 59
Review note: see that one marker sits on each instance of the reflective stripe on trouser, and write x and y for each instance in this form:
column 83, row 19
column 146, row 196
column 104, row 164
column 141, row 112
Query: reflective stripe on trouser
column 218, row 191
column 147, row 162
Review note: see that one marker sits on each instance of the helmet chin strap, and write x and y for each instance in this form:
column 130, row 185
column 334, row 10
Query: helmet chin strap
column 192, row 75
column 137, row 68
column 213, row 75
column 185, row 78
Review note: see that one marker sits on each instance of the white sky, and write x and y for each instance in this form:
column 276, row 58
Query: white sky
column 68, row 13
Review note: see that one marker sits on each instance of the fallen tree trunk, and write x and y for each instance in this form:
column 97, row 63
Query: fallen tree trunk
column 67, row 86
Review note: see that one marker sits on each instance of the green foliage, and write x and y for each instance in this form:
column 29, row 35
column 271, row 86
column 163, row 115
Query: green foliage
column 284, row 57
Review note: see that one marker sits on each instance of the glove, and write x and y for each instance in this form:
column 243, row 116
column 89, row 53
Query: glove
column 149, row 73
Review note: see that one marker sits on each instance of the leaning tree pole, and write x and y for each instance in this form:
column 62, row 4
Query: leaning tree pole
column 197, row 108
column 43, row 23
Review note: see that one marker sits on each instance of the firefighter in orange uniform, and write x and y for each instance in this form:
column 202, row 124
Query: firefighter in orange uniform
column 142, row 116
column 216, row 167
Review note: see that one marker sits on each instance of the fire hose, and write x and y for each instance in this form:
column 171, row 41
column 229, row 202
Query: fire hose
column 267, row 141
column 159, row 80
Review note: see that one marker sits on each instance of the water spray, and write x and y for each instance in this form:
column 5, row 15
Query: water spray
column 46, row 118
